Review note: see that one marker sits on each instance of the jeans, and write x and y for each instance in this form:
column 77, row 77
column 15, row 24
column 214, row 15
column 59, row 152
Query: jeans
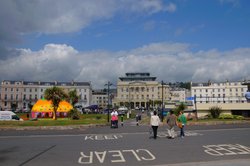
column 182, row 131
column 155, row 131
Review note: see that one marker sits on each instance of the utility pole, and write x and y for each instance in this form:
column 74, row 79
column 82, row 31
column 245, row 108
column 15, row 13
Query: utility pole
column 108, row 84
column 162, row 101
column 196, row 114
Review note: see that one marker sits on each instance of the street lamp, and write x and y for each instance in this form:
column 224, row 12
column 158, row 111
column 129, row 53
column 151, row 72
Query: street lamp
column 162, row 101
column 108, row 84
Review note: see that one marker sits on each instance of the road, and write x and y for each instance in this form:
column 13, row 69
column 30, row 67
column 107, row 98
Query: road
column 129, row 145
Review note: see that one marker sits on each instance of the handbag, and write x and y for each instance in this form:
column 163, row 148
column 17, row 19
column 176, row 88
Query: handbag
column 179, row 125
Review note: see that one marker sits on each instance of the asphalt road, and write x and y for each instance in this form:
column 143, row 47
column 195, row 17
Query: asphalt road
column 129, row 145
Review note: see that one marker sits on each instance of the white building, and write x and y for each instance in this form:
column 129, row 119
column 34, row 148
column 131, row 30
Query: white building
column 140, row 90
column 23, row 94
column 225, row 92
column 229, row 96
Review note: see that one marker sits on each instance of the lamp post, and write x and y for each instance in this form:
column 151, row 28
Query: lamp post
column 108, row 84
column 162, row 101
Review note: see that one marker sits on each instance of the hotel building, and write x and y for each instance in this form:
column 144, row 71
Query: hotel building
column 140, row 90
column 23, row 94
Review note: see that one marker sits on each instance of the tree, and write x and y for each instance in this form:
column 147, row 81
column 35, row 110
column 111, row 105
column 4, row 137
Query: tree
column 180, row 108
column 73, row 97
column 55, row 95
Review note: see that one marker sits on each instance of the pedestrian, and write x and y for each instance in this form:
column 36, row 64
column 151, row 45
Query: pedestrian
column 114, row 119
column 154, row 122
column 182, row 120
column 122, row 119
column 171, row 122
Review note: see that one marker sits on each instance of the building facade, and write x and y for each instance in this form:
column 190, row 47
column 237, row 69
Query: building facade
column 100, row 98
column 140, row 90
column 21, row 95
column 225, row 92
column 229, row 96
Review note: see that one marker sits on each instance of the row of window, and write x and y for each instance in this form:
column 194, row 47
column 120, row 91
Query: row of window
column 32, row 89
column 221, row 90
column 220, row 95
column 140, row 97
column 229, row 101
column 139, row 89
column 30, row 97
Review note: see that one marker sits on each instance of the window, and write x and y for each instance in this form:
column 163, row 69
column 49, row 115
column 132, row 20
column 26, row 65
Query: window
column 24, row 97
column 30, row 90
column 16, row 97
column 5, row 96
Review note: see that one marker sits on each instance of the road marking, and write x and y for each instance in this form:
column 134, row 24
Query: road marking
column 226, row 149
column 187, row 133
column 114, row 156
column 101, row 137
column 37, row 155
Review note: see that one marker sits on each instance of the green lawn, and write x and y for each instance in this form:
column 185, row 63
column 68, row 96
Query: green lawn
column 85, row 119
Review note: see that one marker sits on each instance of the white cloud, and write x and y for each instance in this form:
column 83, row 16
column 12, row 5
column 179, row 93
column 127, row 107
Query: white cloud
column 167, row 61
column 171, row 7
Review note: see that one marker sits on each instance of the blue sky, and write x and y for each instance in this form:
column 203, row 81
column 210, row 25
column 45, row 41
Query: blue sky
column 174, row 40
column 206, row 24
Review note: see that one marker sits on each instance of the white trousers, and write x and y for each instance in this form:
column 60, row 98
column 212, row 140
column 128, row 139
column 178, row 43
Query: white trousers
column 171, row 132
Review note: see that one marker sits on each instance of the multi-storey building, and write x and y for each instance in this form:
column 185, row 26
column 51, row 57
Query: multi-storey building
column 23, row 94
column 140, row 90
column 100, row 98
column 229, row 96
column 225, row 92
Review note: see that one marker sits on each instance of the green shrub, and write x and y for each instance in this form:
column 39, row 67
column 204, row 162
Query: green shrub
column 226, row 116
column 215, row 111
column 238, row 117
column 74, row 114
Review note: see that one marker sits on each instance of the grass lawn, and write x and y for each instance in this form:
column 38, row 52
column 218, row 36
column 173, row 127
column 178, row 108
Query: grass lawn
column 84, row 119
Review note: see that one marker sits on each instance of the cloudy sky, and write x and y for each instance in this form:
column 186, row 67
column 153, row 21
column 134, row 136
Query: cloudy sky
column 101, row 40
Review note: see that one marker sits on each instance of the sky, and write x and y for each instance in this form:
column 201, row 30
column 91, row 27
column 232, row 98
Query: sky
column 101, row 40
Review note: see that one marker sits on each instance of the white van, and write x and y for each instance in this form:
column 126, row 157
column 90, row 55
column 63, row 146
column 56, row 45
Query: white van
column 9, row 115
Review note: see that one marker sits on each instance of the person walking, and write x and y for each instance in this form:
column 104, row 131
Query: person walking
column 182, row 120
column 171, row 122
column 154, row 122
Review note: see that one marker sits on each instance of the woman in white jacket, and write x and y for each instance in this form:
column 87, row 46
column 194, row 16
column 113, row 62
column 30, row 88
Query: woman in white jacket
column 154, row 122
